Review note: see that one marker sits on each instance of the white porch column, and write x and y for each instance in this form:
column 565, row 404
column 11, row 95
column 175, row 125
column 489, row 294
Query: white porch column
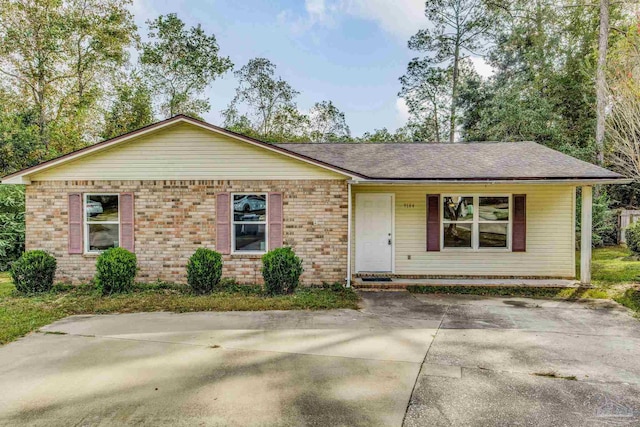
column 349, row 236
column 585, row 235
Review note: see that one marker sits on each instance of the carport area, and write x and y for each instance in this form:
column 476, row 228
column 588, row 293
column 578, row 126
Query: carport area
column 403, row 359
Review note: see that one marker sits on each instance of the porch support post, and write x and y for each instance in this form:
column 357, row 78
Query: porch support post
column 585, row 235
column 349, row 235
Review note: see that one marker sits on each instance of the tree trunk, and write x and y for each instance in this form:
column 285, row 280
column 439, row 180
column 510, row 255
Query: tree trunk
column 601, row 82
column 454, row 94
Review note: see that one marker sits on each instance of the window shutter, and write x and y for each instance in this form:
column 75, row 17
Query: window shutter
column 433, row 222
column 275, row 220
column 75, row 223
column 223, row 224
column 519, row 228
column 126, row 221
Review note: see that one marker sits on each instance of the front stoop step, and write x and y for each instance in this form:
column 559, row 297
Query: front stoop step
column 400, row 283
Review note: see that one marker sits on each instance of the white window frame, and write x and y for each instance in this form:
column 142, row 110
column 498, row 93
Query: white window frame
column 86, row 223
column 475, row 222
column 265, row 223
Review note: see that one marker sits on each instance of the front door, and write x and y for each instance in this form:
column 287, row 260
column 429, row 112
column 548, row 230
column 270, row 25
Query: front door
column 374, row 232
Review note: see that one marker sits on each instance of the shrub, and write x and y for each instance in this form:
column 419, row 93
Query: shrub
column 281, row 270
column 34, row 272
column 204, row 270
column 632, row 234
column 115, row 271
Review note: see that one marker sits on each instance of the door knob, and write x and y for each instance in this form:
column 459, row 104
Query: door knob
column 389, row 242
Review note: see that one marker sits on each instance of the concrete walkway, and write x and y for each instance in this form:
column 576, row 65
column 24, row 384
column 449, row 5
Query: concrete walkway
column 412, row 359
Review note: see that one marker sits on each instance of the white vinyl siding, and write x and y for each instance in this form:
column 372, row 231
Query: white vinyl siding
column 185, row 152
column 550, row 233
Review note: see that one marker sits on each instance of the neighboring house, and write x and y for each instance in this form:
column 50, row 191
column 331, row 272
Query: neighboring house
column 403, row 210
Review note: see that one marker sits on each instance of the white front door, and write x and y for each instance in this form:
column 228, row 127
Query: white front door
column 374, row 232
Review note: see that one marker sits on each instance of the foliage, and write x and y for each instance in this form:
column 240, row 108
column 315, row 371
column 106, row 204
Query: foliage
column 180, row 64
column 632, row 235
column 131, row 108
column 268, row 100
column 327, row 123
column 204, row 270
column 34, row 272
column 20, row 315
column 604, row 220
column 115, row 271
column 11, row 224
column 57, row 54
column 457, row 30
column 281, row 270
column 630, row 299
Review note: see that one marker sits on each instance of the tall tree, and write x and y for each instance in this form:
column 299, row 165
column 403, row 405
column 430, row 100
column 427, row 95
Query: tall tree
column 262, row 101
column 57, row 53
column 130, row 109
column 327, row 123
column 601, row 82
column 458, row 30
column 425, row 90
column 180, row 63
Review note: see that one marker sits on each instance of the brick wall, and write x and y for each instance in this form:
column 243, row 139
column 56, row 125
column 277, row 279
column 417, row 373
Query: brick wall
column 174, row 218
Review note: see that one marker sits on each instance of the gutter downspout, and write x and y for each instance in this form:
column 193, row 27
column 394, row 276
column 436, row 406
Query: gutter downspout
column 349, row 235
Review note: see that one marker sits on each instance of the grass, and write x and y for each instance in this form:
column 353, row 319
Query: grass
column 615, row 274
column 21, row 314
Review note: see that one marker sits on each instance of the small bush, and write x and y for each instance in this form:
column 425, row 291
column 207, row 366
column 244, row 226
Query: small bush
column 204, row 270
column 34, row 272
column 281, row 270
column 115, row 271
column 632, row 234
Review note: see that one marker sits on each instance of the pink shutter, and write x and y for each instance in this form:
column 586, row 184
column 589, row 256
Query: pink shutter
column 519, row 227
column 433, row 222
column 275, row 220
column 75, row 223
column 223, row 223
column 127, row 221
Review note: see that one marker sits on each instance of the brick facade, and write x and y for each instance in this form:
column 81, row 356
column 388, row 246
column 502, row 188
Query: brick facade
column 174, row 218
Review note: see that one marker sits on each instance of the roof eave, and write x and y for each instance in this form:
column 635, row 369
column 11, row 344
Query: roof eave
column 490, row 181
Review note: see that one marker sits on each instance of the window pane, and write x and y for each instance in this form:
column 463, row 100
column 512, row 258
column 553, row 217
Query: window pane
column 102, row 208
column 494, row 209
column 457, row 235
column 103, row 236
column 458, row 208
column 249, row 207
column 250, row 237
column 493, row 235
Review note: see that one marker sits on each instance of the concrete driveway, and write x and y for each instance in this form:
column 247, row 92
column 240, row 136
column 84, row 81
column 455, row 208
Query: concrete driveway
column 413, row 359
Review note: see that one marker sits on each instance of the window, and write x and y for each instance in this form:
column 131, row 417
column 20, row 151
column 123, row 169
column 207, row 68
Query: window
column 476, row 222
column 249, row 222
column 102, row 221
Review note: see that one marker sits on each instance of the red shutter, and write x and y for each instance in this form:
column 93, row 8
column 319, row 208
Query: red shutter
column 223, row 223
column 433, row 222
column 126, row 221
column 519, row 228
column 75, row 223
column 275, row 220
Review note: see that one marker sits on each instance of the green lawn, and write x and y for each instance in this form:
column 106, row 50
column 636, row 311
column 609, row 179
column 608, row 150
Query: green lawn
column 612, row 265
column 21, row 314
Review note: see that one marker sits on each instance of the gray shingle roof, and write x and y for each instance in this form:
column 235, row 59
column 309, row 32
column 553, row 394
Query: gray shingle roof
column 459, row 161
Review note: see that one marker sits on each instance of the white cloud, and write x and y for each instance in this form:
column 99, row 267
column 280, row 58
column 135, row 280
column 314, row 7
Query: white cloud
column 402, row 111
column 400, row 18
column 481, row 66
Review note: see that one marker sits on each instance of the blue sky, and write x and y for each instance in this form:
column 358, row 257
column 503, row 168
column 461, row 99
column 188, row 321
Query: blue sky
column 351, row 52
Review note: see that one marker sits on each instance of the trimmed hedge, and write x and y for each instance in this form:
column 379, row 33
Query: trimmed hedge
column 34, row 272
column 281, row 270
column 632, row 234
column 116, row 271
column 204, row 270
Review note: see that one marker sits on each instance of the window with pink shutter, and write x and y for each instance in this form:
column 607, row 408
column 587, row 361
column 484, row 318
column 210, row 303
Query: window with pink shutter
column 275, row 220
column 127, row 240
